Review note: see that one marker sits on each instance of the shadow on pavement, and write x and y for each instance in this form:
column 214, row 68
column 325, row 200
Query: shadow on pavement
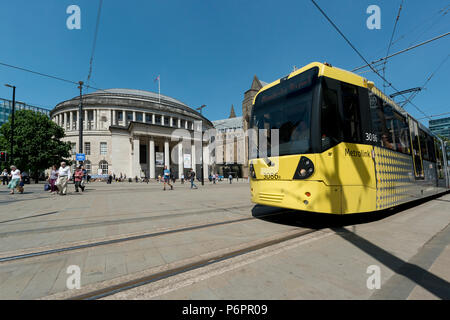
column 420, row 276
column 315, row 220
column 37, row 215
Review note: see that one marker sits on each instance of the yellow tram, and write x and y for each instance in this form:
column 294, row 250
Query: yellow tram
column 327, row 140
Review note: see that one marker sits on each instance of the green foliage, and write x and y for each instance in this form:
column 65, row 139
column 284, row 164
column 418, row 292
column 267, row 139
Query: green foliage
column 37, row 141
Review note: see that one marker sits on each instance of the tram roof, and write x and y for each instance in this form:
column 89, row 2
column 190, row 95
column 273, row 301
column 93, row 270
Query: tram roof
column 329, row 71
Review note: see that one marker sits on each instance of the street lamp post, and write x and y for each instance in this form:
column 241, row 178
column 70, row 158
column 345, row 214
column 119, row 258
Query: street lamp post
column 12, row 120
column 80, row 120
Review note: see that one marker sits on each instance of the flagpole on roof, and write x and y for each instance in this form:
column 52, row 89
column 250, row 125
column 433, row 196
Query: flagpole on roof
column 159, row 89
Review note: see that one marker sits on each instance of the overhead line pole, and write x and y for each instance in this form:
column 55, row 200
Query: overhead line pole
column 80, row 120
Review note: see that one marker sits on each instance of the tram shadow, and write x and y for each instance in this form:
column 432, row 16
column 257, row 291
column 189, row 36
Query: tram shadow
column 315, row 220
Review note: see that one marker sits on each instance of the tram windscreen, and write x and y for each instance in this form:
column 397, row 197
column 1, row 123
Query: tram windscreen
column 286, row 107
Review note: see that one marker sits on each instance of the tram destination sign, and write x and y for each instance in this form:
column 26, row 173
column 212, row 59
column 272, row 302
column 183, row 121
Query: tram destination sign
column 287, row 86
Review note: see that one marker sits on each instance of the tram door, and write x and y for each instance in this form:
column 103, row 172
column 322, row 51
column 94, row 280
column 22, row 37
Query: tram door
column 417, row 156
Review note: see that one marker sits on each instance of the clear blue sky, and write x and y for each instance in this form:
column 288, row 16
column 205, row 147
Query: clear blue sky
column 207, row 51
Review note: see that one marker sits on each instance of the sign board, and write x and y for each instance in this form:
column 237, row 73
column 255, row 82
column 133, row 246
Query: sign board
column 159, row 159
column 81, row 157
column 187, row 161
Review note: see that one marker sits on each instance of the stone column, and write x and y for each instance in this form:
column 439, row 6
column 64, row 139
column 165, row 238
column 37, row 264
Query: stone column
column 70, row 120
column 185, row 124
column 152, row 158
column 179, row 123
column 114, row 117
column 162, row 120
column 205, row 162
column 153, row 119
column 166, row 154
column 85, row 120
column 193, row 160
column 171, row 121
column 134, row 115
column 125, row 118
column 94, row 120
column 136, row 166
column 180, row 159
column 65, row 121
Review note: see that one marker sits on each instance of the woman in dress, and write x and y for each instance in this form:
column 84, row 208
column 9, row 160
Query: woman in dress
column 16, row 177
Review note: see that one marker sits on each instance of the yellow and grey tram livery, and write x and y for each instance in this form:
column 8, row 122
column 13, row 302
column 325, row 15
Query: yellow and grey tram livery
column 327, row 140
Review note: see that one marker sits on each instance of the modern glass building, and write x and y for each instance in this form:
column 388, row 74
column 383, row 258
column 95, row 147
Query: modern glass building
column 441, row 127
column 6, row 108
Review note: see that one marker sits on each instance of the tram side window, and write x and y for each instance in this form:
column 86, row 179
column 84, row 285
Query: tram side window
column 388, row 136
column 330, row 125
column 439, row 158
column 423, row 145
column 352, row 122
column 430, row 147
column 401, row 132
column 382, row 116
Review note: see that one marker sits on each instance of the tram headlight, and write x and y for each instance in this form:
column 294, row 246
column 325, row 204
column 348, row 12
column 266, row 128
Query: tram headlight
column 305, row 168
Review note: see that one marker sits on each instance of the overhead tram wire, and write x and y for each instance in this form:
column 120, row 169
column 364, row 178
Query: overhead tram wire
column 413, row 95
column 48, row 76
column 412, row 30
column 390, row 41
column 38, row 73
column 362, row 57
column 402, row 51
column 444, row 10
column 95, row 42
column 436, row 115
column 441, row 14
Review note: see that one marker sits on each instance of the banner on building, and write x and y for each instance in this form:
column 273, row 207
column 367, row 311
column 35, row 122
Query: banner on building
column 187, row 161
column 159, row 159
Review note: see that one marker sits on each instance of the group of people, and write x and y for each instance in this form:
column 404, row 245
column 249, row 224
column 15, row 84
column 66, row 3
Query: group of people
column 59, row 178
column 215, row 177
column 167, row 178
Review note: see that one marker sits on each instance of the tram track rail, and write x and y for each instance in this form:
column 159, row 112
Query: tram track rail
column 53, row 250
column 103, row 223
column 131, row 284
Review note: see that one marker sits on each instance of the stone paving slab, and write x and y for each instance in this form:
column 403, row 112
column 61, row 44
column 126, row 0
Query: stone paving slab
column 330, row 268
column 111, row 261
column 335, row 267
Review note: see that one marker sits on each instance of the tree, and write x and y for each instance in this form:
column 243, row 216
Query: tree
column 37, row 142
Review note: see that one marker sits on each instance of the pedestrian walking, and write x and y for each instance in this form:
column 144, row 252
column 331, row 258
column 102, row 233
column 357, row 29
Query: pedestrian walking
column 4, row 176
column 52, row 179
column 182, row 178
column 16, row 178
column 230, row 177
column 85, row 177
column 192, row 178
column 64, row 176
column 78, row 176
column 167, row 178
